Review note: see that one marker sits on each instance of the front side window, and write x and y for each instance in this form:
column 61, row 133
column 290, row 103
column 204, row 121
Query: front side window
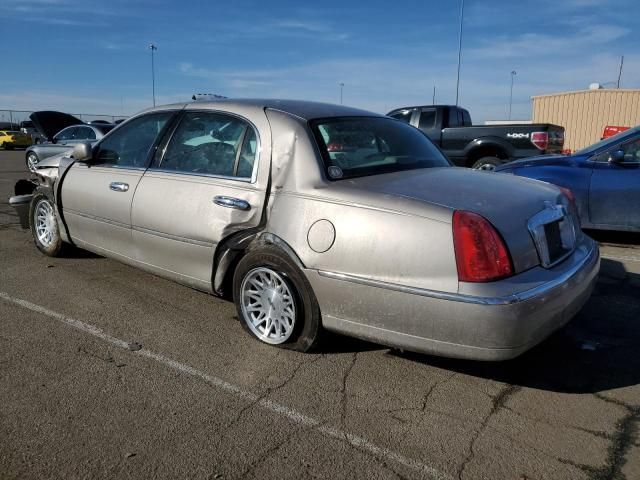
column 359, row 146
column 427, row 119
column 631, row 151
column 212, row 144
column 129, row 146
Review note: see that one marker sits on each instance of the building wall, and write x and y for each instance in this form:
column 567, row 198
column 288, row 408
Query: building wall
column 585, row 113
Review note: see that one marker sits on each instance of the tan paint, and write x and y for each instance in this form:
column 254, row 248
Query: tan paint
column 585, row 113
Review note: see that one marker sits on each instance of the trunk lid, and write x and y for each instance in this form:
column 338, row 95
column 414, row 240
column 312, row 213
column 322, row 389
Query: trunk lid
column 508, row 202
column 48, row 122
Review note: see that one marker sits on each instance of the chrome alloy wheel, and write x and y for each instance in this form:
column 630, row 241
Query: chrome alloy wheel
column 46, row 228
column 32, row 161
column 488, row 167
column 268, row 306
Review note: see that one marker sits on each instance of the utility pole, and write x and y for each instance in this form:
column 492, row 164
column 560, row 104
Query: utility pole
column 513, row 74
column 459, row 50
column 620, row 72
column 433, row 101
column 341, row 87
column 153, row 48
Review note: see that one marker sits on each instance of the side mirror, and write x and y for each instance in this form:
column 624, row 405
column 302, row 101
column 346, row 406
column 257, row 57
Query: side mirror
column 616, row 156
column 82, row 152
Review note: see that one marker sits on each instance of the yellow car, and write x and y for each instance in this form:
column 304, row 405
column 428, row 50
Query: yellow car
column 10, row 139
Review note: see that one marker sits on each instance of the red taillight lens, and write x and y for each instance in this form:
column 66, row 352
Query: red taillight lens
column 481, row 255
column 540, row 140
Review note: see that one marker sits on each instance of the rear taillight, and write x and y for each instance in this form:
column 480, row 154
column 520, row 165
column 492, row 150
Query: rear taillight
column 540, row 140
column 481, row 255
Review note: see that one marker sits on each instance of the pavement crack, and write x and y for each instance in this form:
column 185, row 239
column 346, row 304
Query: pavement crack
column 266, row 454
column 623, row 438
column 343, row 389
column 269, row 391
column 108, row 359
column 498, row 402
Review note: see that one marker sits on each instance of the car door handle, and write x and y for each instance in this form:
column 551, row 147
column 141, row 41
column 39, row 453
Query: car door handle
column 231, row 202
column 119, row 186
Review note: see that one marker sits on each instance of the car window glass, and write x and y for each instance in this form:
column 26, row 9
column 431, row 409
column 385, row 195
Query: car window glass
column 211, row 144
column 453, row 118
column 129, row 146
column 85, row 133
column 358, row 146
column 66, row 134
column 631, row 151
column 427, row 119
column 466, row 118
column 403, row 115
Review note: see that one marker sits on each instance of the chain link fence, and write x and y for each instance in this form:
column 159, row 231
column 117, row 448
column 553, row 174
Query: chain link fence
column 15, row 117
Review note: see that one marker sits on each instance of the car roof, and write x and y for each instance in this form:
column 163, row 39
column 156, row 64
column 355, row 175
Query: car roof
column 303, row 109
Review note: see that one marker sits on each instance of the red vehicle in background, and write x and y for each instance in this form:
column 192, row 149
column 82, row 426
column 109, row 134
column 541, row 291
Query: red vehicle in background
column 611, row 130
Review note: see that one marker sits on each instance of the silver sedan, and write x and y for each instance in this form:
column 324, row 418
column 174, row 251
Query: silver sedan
column 315, row 216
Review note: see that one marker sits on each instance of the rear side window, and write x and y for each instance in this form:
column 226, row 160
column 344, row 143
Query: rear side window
column 85, row 133
column 67, row 133
column 129, row 145
column 212, row 144
column 359, row 146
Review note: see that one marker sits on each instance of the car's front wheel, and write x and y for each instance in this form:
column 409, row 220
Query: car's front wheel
column 32, row 161
column 44, row 226
column 274, row 300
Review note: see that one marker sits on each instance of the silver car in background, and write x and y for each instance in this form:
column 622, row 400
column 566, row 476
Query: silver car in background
column 315, row 216
column 61, row 132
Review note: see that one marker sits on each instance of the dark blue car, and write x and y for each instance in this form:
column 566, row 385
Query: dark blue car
column 604, row 179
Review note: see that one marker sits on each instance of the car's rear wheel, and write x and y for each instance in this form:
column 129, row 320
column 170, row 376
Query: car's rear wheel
column 274, row 300
column 487, row 163
column 32, row 161
column 44, row 226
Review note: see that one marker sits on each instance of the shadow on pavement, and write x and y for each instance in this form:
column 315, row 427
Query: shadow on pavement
column 595, row 352
column 620, row 239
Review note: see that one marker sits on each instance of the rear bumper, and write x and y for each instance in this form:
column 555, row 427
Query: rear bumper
column 496, row 327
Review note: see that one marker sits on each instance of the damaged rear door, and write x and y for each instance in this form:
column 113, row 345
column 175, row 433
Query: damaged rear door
column 203, row 186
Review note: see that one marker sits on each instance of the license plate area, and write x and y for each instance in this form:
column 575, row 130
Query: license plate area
column 554, row 234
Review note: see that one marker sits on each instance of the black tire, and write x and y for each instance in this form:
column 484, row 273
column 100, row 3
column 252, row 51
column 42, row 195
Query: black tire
column 487, row 163
column 307, row 323
column 54, row 247
column 8, row 147
column 35, row 156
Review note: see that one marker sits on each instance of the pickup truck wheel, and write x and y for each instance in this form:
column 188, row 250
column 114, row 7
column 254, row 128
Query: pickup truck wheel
column 32, row 161
column 487, row 163
column 44, row 226
column 274, row 300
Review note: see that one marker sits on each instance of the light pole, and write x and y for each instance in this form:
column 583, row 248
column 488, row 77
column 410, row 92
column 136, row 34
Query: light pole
column 459, row 50
column 341, row 87
column 513, row 74
column 153, row 48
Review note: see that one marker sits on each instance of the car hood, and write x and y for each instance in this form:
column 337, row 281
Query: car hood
column 507, row 201
column 542, row 160
column 48, row 123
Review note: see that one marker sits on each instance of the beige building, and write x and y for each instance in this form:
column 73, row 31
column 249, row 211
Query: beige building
column 585, row 113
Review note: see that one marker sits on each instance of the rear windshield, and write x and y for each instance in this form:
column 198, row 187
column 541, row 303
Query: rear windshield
column 359, row 146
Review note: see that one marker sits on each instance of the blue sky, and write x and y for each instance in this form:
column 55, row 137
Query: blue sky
column 92, row 56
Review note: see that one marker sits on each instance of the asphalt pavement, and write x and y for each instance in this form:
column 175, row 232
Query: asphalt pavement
column 110, row 372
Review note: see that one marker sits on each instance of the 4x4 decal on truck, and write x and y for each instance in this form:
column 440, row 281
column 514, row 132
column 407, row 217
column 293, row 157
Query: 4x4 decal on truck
column 517, row 135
